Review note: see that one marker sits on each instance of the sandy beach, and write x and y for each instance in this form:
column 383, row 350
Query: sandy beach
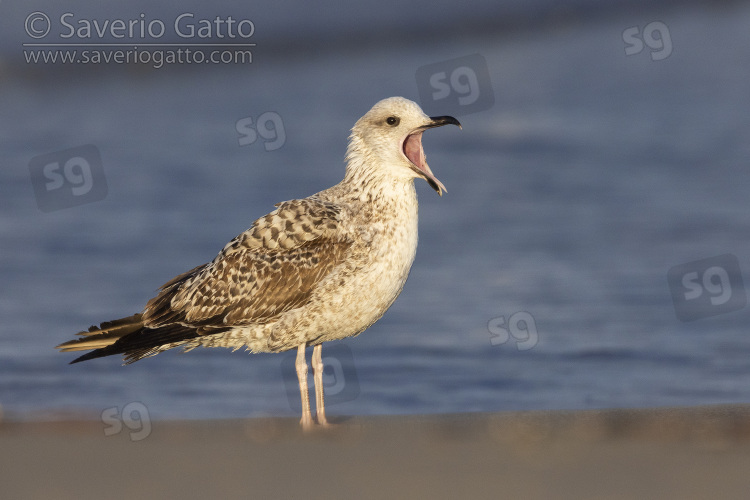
column 665, row 453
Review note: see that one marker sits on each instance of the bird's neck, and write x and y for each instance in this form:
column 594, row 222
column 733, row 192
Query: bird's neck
column 369, row 181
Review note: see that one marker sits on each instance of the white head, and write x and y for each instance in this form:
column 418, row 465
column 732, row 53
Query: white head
column 389, row 136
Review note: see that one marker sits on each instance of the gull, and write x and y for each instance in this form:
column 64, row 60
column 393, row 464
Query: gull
column 316, row 269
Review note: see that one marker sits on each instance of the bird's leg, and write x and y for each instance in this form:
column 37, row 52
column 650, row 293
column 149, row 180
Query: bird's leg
column 317, row 365
column 301, row 366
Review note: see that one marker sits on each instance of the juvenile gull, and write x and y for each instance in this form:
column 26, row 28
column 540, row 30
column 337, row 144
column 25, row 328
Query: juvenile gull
column 315, row 269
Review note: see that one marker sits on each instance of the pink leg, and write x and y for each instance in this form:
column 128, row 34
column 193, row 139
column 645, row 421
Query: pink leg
column 301, row 366
column 317, row 365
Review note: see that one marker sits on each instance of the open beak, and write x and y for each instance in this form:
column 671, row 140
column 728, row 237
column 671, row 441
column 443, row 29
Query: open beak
column 413, row 150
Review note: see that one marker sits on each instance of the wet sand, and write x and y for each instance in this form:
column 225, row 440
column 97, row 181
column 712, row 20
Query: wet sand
column 665, row 453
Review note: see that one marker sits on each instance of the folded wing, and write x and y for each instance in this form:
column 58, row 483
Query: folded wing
column 271, row 268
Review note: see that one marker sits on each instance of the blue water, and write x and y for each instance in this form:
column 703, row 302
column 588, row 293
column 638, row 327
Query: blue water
column 569, row 198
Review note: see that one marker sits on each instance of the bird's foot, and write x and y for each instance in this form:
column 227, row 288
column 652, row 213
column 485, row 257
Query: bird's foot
column 307, row 423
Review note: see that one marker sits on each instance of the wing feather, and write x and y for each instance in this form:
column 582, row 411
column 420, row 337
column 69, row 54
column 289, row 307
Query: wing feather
column 271, row 268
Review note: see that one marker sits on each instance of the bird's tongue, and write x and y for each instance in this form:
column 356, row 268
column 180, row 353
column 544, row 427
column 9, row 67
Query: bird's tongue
column 413, row 150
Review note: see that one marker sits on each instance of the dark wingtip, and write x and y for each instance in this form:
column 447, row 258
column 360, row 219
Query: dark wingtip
column 86, row 357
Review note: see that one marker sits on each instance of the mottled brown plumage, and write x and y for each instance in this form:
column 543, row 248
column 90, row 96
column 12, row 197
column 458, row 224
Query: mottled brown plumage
column 315, row 269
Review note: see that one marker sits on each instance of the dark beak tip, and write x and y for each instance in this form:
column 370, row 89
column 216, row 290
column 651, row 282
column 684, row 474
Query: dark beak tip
column 445, row 120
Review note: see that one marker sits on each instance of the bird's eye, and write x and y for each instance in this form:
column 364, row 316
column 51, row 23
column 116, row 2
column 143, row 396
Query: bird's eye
column 392, row 121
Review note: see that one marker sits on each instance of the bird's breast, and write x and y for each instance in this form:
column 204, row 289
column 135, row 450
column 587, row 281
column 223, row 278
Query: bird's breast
column 364, row 287
column 383, row 236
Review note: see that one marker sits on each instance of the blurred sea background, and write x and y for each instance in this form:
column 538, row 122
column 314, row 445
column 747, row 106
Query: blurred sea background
column 594, row 169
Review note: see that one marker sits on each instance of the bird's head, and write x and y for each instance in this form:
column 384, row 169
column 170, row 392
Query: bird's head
column 390, row 137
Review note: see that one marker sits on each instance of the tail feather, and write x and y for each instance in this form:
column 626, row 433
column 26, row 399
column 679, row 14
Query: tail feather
column 130, row 337
column 102, row 336
column 106, row 334
column 124, row 326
